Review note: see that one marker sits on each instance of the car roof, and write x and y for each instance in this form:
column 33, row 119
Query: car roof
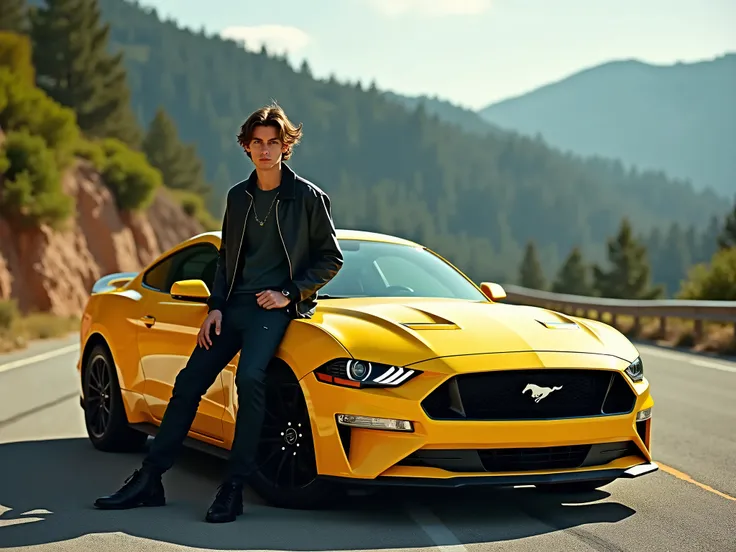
column 342, row 234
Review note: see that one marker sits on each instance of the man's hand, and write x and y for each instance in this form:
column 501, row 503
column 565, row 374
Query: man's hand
column 203, row 337
column 270, row 299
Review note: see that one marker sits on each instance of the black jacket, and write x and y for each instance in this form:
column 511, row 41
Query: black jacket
column 307, row 231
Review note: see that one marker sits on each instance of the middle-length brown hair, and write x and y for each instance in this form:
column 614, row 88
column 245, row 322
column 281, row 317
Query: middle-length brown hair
column 271, row 115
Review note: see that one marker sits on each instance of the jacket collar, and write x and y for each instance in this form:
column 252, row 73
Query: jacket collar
column 286, row 189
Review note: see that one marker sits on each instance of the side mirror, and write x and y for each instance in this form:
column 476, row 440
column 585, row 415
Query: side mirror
column 190, row 290
column 494, row 292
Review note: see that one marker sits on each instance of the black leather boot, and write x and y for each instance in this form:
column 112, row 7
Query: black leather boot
column 228, row 503
column 142, row 488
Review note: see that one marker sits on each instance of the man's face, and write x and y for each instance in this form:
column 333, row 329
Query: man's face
column 265, row 147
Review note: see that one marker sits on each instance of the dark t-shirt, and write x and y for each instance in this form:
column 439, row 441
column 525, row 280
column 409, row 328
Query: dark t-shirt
column 265, row 263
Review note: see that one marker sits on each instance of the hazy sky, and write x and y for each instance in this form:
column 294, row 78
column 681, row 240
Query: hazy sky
column 472, row 52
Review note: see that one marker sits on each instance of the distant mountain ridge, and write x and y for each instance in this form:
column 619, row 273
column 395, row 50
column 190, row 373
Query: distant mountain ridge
column 467, row 119
column 679, row 118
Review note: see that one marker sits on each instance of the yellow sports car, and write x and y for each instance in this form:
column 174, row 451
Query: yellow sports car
column 407, row 374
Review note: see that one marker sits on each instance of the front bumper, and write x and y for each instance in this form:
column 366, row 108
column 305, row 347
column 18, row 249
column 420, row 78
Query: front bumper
column 390, row 457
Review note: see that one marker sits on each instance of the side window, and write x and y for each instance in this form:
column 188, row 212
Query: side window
column 197, row 262
column 157, row 277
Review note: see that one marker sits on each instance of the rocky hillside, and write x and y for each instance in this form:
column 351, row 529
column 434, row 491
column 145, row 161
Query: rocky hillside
column 51, row 270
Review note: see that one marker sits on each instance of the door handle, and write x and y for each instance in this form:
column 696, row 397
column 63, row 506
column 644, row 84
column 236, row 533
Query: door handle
column 148, row 320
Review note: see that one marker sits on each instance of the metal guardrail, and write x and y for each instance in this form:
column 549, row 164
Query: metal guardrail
column 697, row 311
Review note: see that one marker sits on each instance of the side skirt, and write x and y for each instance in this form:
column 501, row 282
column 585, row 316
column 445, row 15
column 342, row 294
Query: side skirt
column 189, row 442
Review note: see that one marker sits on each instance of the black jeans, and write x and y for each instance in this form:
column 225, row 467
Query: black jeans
column 258, row 332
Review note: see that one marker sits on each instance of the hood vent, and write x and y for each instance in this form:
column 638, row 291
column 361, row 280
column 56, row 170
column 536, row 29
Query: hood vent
column 559, row 325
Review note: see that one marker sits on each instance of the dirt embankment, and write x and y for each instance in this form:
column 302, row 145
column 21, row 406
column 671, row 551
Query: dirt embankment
column 53, row 271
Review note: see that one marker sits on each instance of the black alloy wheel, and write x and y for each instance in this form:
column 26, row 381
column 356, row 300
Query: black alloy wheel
column 98, row 396
column 104, row 412
column 287, row 467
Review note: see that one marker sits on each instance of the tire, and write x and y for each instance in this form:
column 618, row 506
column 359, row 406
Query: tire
column 286, row 476
column 577, row 487
column 104, row 413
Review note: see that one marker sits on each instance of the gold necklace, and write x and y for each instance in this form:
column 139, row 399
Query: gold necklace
column 255, row 212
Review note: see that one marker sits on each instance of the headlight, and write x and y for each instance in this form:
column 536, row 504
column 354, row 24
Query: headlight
column 635, row 370
column 362, row 373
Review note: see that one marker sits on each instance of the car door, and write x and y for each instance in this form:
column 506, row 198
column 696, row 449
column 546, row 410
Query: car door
column 168, row 334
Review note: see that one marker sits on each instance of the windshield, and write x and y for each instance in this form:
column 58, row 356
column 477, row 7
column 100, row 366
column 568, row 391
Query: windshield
column 375, row 269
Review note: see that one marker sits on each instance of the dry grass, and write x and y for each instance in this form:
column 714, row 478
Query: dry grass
column 17, row 330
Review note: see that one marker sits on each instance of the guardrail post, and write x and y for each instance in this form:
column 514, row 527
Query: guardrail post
column 698, row 327
column 636, row 328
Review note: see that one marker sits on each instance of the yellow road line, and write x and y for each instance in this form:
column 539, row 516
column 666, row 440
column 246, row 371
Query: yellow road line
column 686, row 477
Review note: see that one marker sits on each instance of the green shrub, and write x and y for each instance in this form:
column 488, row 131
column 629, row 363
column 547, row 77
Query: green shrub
column 8, row 314
column 715, row 282
column 91, row 151
column 15, row 54
column 31, row 193
column 129, row 176
column 194, row 206
column 25, row 107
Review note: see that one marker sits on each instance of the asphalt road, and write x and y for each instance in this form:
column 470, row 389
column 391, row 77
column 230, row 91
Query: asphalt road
column 50, row 475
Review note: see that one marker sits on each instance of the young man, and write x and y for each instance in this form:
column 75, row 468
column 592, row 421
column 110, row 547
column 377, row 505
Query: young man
column 279, row 247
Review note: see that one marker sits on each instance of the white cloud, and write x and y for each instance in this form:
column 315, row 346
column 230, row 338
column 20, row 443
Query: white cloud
column 277, row 38
column 431, row 8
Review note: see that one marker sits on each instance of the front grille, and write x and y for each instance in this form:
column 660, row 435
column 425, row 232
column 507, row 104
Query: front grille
column 501, row 395
column 522, row 459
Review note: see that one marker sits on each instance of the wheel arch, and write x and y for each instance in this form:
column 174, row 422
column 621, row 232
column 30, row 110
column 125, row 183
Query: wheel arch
column 308, row 345
column 95, row 338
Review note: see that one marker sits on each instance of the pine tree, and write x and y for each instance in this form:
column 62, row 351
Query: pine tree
column 629, row 277
column 677, row 259
column 305, row 69
column 179, row 163
column 727, row 237
column 73, row 66
column 573, row 276
column 530, row 271
column 13, row 16
column 709, row 241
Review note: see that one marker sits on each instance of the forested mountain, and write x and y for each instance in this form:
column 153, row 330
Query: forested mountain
column 678, row 118
column 671, row 250
column 476, row 199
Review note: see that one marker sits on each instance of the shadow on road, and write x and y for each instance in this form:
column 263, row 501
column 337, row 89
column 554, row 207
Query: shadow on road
column 47, row 489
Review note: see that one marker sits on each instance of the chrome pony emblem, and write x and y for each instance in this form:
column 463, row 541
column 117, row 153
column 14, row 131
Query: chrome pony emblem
column 539, row 393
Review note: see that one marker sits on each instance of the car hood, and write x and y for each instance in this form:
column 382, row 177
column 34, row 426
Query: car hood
column 404, row 331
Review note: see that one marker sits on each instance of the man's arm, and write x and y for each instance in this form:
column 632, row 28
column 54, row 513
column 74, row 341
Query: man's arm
column 217, row 297
column 326, row 257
